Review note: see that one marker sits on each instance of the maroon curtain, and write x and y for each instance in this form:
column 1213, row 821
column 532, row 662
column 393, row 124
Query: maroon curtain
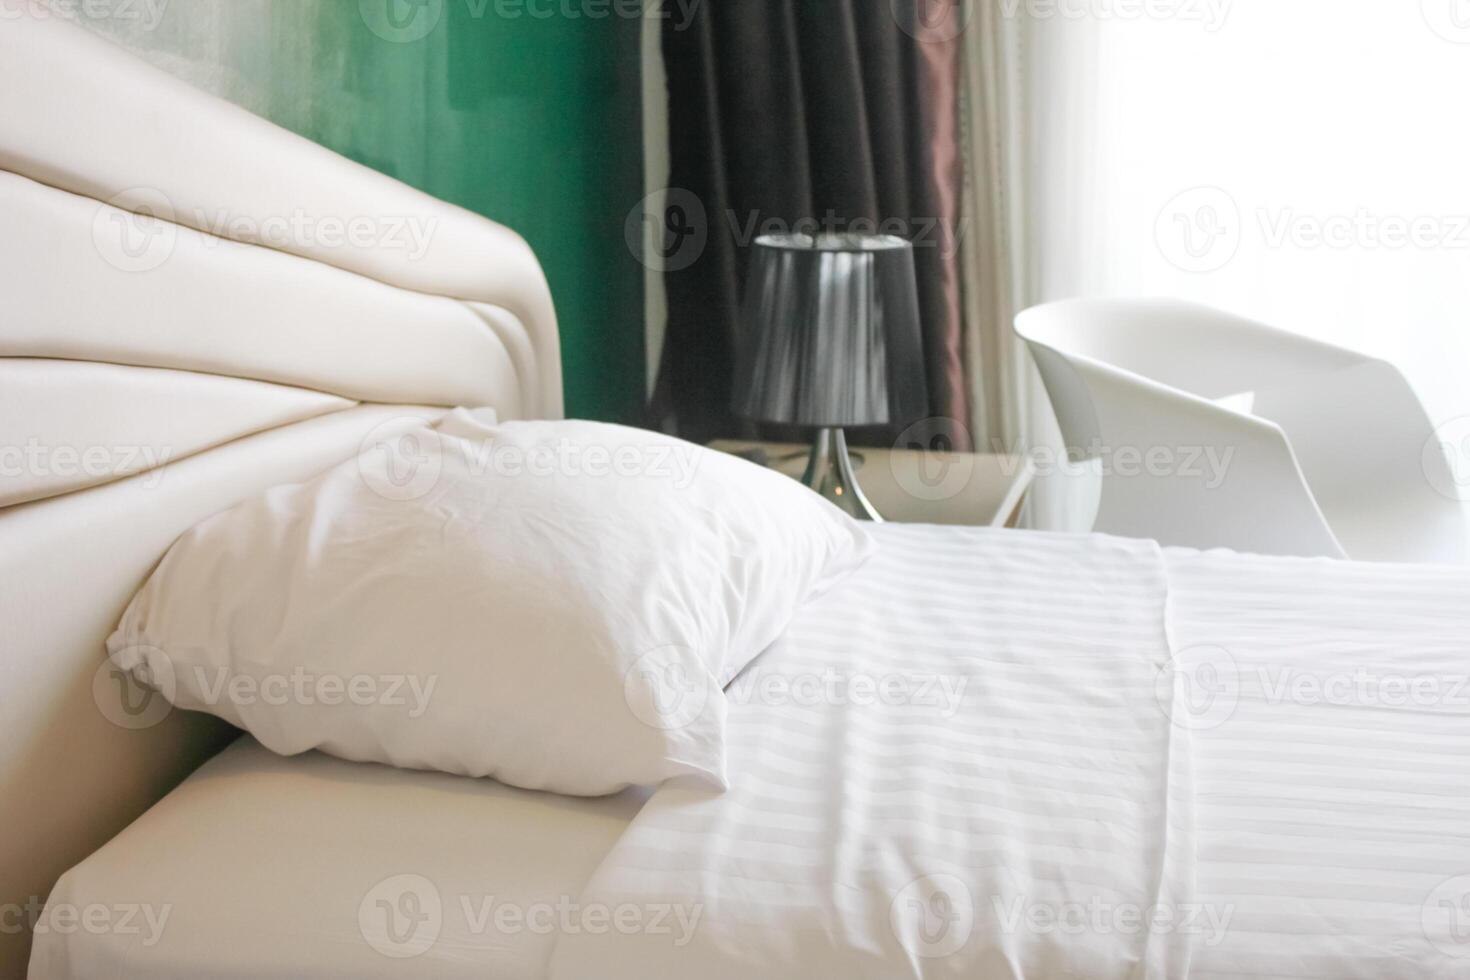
column 800, row 115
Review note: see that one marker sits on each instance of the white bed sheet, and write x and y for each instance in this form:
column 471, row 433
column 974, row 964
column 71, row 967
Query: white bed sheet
column 1065, row 785
column 260, row 867
column 1018, row 763
column 1332, row 764
column 1296, row 839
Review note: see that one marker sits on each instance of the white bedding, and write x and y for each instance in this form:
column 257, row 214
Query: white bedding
column 1294, row 839
column 1332, row 775
column 1040, row 731
column 1019, row 764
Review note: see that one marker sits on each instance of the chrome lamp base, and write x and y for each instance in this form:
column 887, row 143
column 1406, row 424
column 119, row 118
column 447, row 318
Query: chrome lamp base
column 829, row 472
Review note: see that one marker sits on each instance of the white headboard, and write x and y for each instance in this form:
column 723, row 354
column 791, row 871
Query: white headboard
column 245, row 310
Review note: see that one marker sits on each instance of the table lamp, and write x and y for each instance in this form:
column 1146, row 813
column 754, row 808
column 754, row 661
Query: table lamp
column 830, row 340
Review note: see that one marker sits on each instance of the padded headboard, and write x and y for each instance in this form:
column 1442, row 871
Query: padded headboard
column 194, row 305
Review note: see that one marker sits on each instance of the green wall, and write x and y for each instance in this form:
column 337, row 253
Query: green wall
column 528, row 113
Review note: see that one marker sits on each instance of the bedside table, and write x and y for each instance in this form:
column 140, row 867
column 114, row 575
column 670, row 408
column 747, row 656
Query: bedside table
column 914, row 487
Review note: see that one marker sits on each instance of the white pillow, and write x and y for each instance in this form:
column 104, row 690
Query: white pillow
column 558, row 605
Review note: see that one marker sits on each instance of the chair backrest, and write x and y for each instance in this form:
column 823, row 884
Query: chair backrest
column 1151, row 390
column 1305, row 448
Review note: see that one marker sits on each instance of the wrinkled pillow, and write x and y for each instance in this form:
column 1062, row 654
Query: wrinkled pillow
column 557, row 605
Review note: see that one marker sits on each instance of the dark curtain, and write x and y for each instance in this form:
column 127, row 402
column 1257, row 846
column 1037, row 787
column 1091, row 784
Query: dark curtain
column 800, row 115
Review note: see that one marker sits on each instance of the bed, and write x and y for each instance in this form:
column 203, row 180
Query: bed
column 1027, row 775
column 986, row 754
column 1268, row 752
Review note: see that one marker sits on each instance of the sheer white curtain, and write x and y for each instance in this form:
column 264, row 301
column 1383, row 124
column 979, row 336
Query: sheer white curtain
column 1301, row 162
column 993, row 233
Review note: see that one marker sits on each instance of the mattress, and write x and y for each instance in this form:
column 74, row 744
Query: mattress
column 1159, row 765
column 1331, row 758
column 964, row 734
column 986, row 754
column 260, row 866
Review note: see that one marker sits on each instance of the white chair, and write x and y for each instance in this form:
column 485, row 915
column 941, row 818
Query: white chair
column 1315, row 450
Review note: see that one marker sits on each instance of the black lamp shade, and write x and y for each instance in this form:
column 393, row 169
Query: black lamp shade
column 830, row 332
